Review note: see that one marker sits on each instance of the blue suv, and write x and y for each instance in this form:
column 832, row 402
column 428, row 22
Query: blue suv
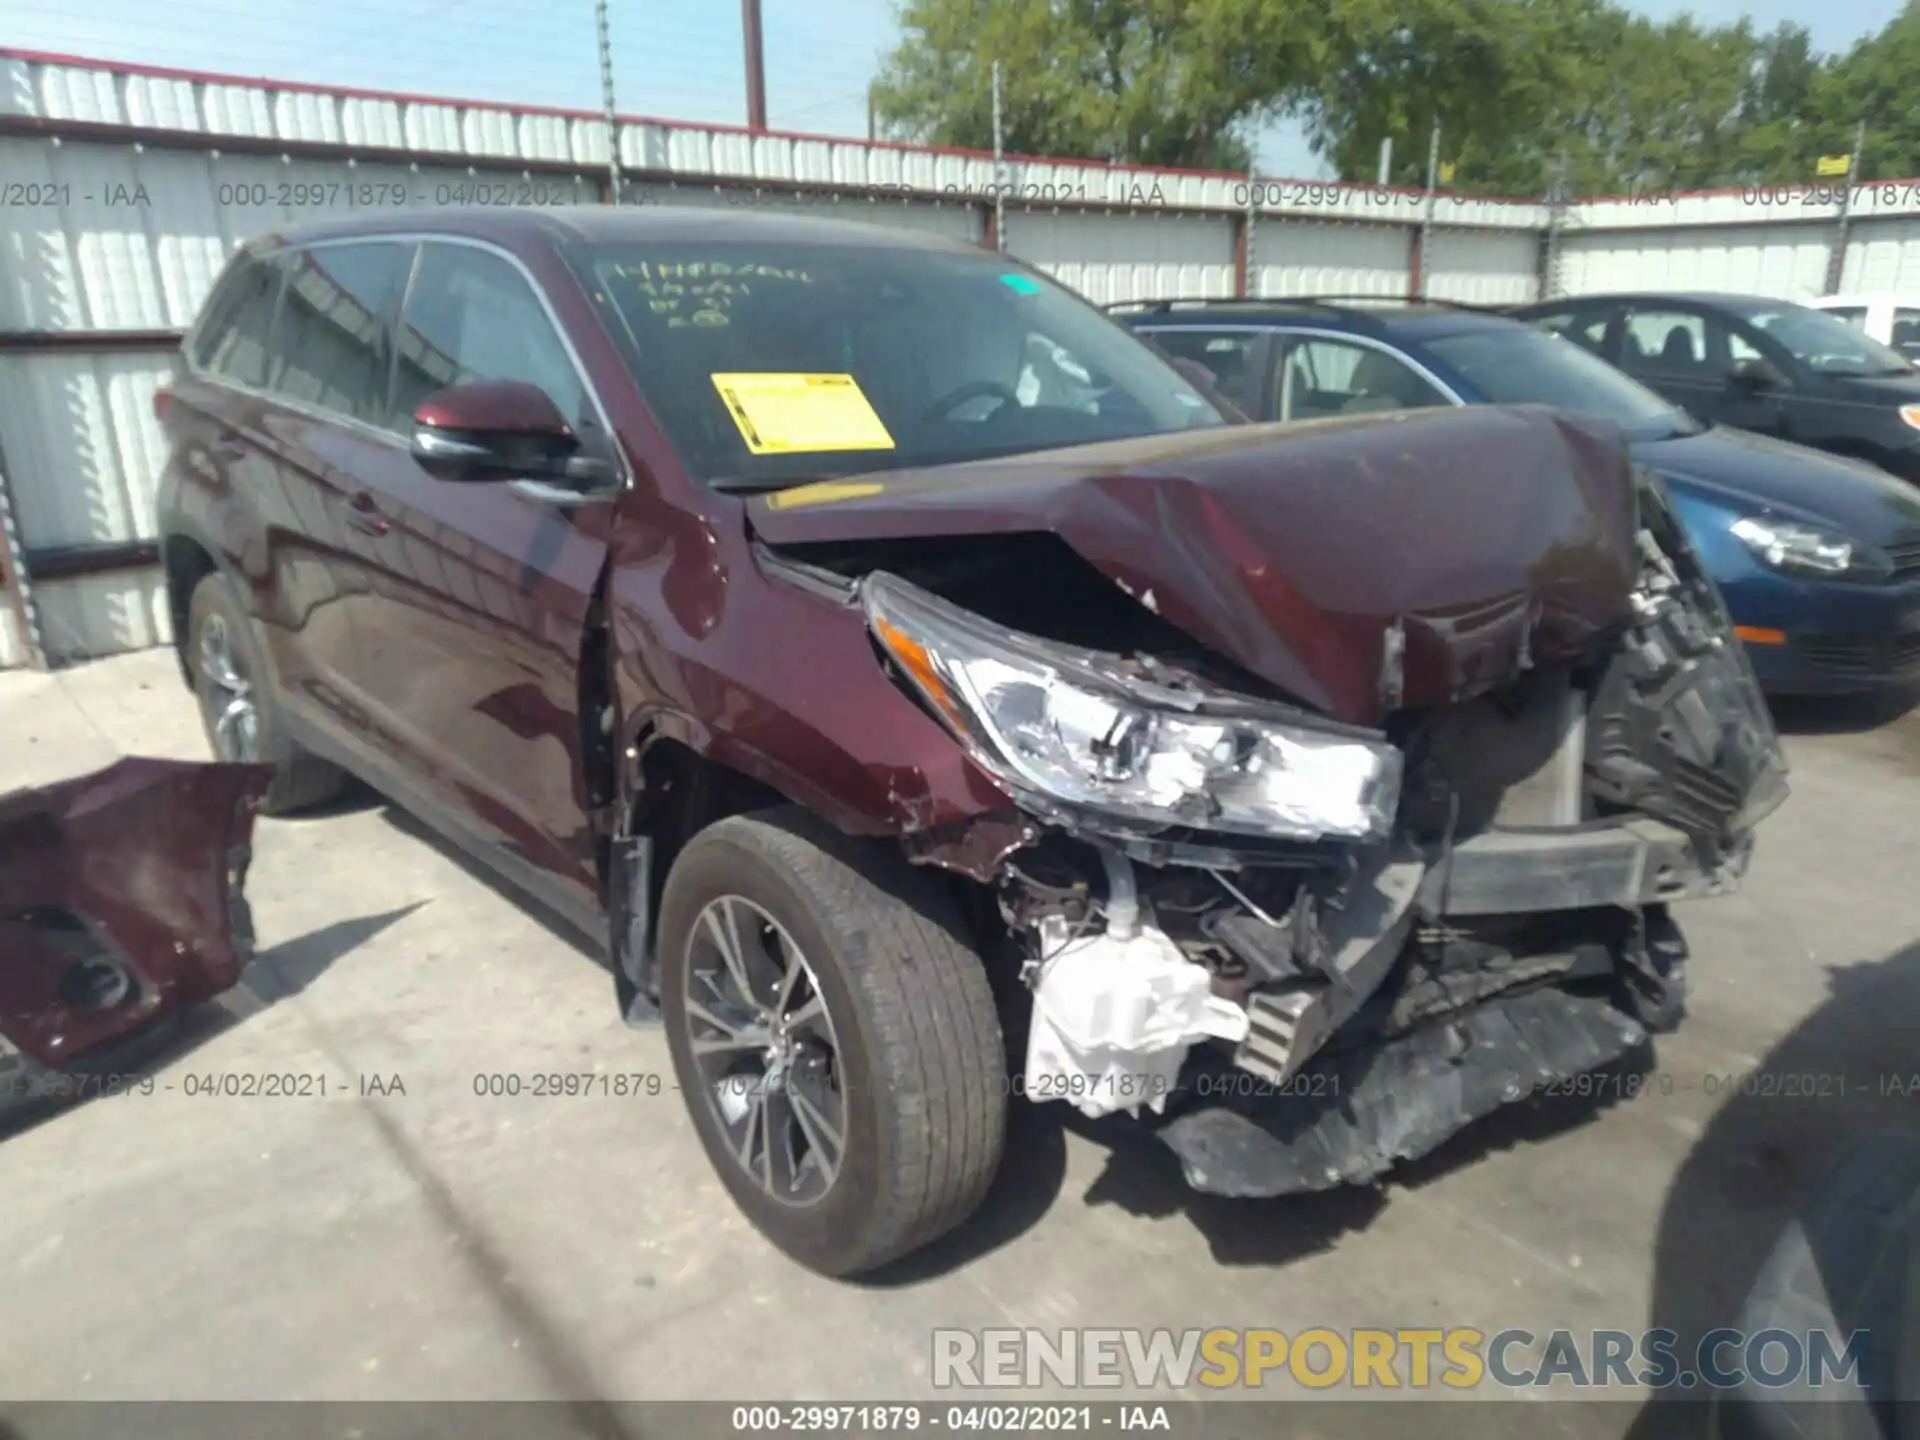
column 1818, row 556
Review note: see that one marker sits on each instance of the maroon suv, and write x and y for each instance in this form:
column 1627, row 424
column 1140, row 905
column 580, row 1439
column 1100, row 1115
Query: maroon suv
column 930, row 697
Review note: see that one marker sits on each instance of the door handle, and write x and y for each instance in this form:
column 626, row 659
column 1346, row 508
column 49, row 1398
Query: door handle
column 363, row 514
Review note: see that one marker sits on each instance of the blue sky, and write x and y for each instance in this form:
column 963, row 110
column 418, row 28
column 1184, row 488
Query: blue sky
column 680, row 61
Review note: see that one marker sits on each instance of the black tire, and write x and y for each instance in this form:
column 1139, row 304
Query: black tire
column 300, row 780
column 1841, row 1267
column 920, row 1063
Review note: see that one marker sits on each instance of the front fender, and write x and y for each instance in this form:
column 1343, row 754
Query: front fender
column 789, row 691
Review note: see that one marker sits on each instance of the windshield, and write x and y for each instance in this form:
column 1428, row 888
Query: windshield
column 769, row 365
column 1825, row 343
column 1524, row 366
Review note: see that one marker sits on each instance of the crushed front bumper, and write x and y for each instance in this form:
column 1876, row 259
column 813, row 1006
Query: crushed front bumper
column 1348, row 1117
column 121, row 900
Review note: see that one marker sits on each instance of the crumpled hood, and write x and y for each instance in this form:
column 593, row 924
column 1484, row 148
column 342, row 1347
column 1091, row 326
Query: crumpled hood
column 1476, row 540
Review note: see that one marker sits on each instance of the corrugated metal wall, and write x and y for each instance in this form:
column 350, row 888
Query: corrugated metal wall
column 1141, row 256
column 1483, row 266
column 1318, row 257
column 133, row 185
column 1783, row 260
column 1882, row 255
column 954, row 219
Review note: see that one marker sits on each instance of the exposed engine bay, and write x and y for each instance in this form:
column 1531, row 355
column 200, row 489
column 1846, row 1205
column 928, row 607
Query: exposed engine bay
column 1301, row 946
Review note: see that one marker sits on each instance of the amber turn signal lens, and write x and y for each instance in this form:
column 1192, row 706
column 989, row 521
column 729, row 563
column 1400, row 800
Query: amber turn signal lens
column 1760, row 635
column 918, row 663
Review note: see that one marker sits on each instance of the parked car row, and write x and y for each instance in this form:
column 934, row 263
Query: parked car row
column 1769, row 366
column 1891, row 317
column 1817, row 554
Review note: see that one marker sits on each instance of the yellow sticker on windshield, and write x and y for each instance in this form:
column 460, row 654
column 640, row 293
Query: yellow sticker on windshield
column 782, row 414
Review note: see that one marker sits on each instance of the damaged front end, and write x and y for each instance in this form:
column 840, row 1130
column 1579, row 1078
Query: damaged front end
column 1303, row 948
column 121, row 901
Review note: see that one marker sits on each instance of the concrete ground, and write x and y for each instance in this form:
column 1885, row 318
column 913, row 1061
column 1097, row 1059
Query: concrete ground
column 438, row 1243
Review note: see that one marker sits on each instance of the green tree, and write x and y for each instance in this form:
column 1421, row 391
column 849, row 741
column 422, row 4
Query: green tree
column 1872, row 82
column 1156, row 82
column 1490, row 73
column 1526, row 93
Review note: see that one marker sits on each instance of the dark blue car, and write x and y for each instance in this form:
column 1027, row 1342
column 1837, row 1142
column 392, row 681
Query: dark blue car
column 1818, row 556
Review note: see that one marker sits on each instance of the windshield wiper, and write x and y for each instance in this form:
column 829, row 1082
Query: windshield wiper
column 746, row 485
column 1668, row 427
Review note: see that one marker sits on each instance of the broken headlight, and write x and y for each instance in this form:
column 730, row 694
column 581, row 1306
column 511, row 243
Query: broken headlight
column 1072, row 727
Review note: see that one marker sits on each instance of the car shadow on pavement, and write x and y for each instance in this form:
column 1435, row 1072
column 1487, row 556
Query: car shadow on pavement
column 1841, row 714
column 275, row 974
column 548, row 918
column 1849, row 1071
column 292, row 965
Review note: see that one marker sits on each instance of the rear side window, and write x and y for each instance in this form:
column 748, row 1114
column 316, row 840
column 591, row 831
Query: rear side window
column 333, row 341
column 1666, row 343
column 1231, row 356
column 233, row 338
column 1905, row 336
column 1586, row 328
column 471, row 315
column 1322, row 377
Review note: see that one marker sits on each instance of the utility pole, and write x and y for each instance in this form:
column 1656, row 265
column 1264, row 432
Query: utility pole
column 1386, row 158
column 615, row 179
column 756, row 67
column 1837, row 255
column 999, row 169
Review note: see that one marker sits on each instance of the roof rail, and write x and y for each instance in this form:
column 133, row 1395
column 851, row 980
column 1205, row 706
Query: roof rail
column 1163, row 306
column 1168, row 302
column 1346, row 304
column 1438, row 301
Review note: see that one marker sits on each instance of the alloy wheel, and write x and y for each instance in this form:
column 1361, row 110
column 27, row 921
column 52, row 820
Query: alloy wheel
column 764, row 1045
column 226, row 694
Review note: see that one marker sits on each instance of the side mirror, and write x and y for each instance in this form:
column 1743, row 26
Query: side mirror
column 1755, row 374
column 495, row 430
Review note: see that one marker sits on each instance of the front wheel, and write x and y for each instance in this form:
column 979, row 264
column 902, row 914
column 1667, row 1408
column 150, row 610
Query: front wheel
column 834, row 1035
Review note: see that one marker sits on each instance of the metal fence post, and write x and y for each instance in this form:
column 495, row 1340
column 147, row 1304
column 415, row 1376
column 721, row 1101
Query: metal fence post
column 13, row 576
column 1837, row 254
column 615, row 179
column 1425, row 238
column 999, row 169
column 1245, row 271
column 1547, row 282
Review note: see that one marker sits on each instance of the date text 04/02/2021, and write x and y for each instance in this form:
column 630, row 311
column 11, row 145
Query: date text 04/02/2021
column 970, row 1419
column 195, row 1084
